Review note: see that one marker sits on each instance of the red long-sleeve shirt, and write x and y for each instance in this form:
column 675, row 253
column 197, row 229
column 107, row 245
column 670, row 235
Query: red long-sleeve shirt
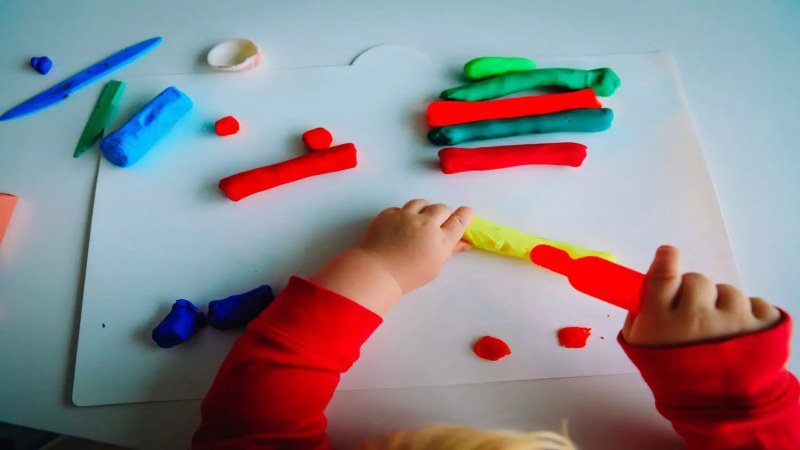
column 271, row 391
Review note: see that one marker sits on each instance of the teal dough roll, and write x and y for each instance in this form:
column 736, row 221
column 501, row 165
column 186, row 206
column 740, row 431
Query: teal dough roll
column 575, row 120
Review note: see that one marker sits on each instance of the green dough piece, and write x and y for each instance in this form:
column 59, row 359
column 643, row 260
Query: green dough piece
column 490, row 66
column 101, row 116
column 587, row 119
column 603, row 81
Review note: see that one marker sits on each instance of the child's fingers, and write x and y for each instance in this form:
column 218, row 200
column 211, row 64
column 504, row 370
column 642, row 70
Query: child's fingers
column 462, row 246
column 698, row 293
column 455, row 226
column 763, row 311
column 415, row 206
column 438, row 213
column 663, row 279
column 731, row 299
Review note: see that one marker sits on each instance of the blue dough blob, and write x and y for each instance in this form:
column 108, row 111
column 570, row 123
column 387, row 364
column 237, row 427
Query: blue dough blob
column 42, row 64
column 238, row 310
column 127, row 145
column 180, row 324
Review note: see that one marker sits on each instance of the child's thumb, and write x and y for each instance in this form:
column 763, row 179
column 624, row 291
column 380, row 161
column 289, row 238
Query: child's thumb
column 455, row 225
column 663, row 280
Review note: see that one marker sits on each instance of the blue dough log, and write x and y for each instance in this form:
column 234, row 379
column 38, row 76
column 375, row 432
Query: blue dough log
column 589, row 119
column 180, row 324
column 238, row 310
column 127, row 145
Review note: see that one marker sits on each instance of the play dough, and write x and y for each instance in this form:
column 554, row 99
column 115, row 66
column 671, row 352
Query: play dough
column 146, row 128
column 42, row 64
column 7, row 204
column 491, row 348
column 599, row 278
column 574, row 337
column 237, row 311
column 226, row 126
column 183, row 320
column 576, row 120
column 490, row 66
column 317, row 139
column 489, row 236
column 450, row 112
column 456, row 159
column 244, row 184
column 603, row 81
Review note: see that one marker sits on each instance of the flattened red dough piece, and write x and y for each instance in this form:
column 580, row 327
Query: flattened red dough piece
column 574, row 337
column 457, row 159
column 452, row 112
column 318, row 139
column 244, row 184
column 491, row 348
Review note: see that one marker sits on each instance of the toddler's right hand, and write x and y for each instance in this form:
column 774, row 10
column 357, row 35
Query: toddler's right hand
column 686, row 309
column 412, row 243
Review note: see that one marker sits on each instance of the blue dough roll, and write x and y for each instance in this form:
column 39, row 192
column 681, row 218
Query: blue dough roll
column 238, row 310
column 128, row 144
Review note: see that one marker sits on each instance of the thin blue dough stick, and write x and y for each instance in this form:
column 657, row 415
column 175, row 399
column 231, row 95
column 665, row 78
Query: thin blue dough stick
column 64, row 89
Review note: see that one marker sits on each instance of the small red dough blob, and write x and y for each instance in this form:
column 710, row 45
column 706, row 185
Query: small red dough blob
column 318, row 139
column 226, row 126
column 491, row 348
column 574, row 337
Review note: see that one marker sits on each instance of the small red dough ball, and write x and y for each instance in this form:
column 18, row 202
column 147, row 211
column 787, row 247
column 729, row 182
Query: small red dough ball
column 491, row 348
column 226, row 126
column 318, row 139
column 574, row 337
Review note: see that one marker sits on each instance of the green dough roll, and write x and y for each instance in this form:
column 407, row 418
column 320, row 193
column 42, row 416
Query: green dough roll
column 583, row 120
column 603, row 81
column 490, row 66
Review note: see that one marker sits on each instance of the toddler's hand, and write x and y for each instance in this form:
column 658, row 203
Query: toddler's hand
column 412, row 243
column 685, row 309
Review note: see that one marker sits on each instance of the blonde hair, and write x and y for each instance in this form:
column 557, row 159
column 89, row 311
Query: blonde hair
column 454, row 437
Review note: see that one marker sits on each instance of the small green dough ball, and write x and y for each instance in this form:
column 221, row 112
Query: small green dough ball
column 490, row 66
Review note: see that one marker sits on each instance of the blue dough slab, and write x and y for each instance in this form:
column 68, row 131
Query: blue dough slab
column 179, row 325
column 238, row 310
column 127, row 145
column 575, row 120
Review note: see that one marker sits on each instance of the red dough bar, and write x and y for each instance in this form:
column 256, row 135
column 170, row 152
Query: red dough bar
column 450, row 112
column 457, row 159
column 241, row 185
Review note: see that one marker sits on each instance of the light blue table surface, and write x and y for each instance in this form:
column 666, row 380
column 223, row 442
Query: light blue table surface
column 740, row 64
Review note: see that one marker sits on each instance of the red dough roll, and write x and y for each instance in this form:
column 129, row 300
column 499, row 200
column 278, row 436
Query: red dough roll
column 456, row 159
column 241, row 185
column 450, row 112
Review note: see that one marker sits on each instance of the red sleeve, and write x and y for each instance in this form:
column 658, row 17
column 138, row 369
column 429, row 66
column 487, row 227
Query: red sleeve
column 729, row 394
column 272, row 389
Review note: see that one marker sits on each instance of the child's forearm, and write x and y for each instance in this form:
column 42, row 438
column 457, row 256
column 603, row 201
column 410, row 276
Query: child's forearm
column 734, row 393
column 357, row 275
column 280, row 375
